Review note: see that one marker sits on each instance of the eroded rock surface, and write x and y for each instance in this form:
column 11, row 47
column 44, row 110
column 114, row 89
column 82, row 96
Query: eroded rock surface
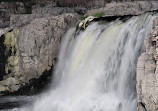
column 147, row 73
column 125, row 8
column 31, row 43
column 9, row 8
column 33, row 49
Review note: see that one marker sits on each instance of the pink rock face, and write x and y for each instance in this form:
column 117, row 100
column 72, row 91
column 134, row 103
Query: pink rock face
column 147, row 73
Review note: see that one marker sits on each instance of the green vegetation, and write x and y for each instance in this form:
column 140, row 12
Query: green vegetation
column 84, row 17
column 99, row 14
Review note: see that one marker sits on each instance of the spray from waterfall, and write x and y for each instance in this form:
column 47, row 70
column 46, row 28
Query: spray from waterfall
column 96, row 70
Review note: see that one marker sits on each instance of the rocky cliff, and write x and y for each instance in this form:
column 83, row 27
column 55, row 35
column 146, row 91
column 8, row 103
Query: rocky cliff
column 125, row 8
column 147, row 73
column 29, row 43
column 31, row 49
column 9, row 8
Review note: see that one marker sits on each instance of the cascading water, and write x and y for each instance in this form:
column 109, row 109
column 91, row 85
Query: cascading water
column 96, row 70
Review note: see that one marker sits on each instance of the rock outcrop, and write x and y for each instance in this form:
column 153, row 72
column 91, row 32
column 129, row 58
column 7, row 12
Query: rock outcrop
column 87, row 4
column 9, row 8
column 147, row 73
column 29, row 43
column 125, row 8
column 32, row 49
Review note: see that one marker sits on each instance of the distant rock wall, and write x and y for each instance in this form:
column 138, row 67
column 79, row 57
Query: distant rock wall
column 125, row 8
column 88, row 7
column 147, row 73
column 9, row 8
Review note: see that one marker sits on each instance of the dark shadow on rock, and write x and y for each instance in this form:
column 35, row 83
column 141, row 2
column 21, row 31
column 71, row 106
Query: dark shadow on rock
column 35, row 86
column 3, row 58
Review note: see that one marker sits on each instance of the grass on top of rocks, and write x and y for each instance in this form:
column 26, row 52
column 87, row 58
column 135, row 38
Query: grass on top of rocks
column 99, row 14
column 84, row 17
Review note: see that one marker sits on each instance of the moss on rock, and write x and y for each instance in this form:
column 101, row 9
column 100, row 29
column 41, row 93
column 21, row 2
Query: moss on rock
column 11, row 52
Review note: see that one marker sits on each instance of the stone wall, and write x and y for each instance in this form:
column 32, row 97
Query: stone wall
column 147, row 73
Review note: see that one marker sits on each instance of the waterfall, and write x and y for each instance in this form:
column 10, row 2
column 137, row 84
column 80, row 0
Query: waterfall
column 96, row 70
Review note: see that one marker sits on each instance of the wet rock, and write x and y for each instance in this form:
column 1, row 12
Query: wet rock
column 155, row 22
column 9, row 81
column 14, row 88
column 2, row 88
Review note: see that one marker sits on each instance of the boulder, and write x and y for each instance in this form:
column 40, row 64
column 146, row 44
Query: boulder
column 31, row 49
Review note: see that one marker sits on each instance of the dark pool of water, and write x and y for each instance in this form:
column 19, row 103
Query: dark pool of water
column 7, row 103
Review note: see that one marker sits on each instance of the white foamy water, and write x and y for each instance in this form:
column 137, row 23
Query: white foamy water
column 96, row 70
